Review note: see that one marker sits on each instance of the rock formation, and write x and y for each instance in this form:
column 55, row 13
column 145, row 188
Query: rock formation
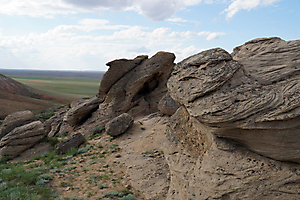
column 72, row 142
column 80, row 112
column 21, row 138
column 251, row 100
column 133, row 86
column 14, row 120
column 167, row 105
column 119, row 125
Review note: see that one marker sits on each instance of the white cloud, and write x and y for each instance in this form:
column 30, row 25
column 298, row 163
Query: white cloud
column 153, row 9
column 238, row 5
column 176, row 20
column 76, row 46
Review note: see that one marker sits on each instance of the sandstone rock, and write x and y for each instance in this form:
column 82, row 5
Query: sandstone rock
column 204, row 166
column 117, row 69
column 220, row 93
column 269, row 60
column 21, row 138
column 74, row 141
column 14, row 120
column 167, row 105
column 138, row 90
column 79, row 113
column 119, row 125
column 53, row 125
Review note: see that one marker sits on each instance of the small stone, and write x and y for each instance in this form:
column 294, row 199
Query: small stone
column 106, row 166
column 118, row 155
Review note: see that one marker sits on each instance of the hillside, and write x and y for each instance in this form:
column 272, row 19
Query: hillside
column 15, row 96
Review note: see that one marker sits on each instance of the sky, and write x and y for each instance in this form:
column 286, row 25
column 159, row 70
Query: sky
column 86, row 34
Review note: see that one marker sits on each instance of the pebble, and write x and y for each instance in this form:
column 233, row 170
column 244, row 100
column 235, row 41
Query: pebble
column 106, row 166
column 118, row 155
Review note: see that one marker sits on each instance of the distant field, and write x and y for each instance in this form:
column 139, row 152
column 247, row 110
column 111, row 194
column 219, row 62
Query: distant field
column 61, row 86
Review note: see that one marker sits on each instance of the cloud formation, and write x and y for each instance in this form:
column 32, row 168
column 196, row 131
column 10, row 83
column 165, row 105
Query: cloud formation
column 155, row 10
column 238, row 5
column 79, row 46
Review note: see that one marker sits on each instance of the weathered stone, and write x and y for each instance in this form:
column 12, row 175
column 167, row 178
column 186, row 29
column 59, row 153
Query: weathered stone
column 52, row 125
column 204, row 166
column 21, row 138
column 72, row 142
column 14, row 120
column 138, row 90
column 79, row 113
column 117, row 69
column 119, row 125
column 167, row 105
column 218, row 92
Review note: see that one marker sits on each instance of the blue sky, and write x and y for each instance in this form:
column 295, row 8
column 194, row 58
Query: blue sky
column 86, row 34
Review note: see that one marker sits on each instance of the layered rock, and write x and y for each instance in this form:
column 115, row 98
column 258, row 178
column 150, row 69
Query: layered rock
column 134, row 86
column 252, row 101
column 21, row 138
column 204, row 166
column 217, row 91
column 82, row 111
column 14, row 120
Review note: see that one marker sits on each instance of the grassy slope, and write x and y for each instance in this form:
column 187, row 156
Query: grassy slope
column 62, row 90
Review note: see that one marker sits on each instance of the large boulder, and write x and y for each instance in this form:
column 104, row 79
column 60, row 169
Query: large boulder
column 21, row 138
column 167, row 105
column 217, row 91
column 136, row 89
column 119, row 125
column 81, row 112
column 14, row 120
column 239, row 119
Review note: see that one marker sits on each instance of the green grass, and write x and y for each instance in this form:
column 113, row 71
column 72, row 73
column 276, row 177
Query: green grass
column 19, row 183
column 62, row 86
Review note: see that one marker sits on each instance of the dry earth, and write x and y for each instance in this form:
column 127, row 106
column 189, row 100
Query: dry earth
column 132, row 163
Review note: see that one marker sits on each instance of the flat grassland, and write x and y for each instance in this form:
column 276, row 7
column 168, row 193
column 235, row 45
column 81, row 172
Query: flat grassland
column 68, row 87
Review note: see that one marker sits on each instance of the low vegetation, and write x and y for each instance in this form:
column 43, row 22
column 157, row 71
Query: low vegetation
column 89, row 172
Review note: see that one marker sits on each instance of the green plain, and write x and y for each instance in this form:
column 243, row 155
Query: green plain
column 62, row 86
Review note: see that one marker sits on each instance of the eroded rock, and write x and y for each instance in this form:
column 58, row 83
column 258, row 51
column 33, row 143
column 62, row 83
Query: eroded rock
column 80, row 112
column 53, row 125
column 21, row 138
column 204, row 166
column 137, row 90
column 167, row 105
column 119, row 125
column 217, row 91
column 15, row 120
column 72, row 142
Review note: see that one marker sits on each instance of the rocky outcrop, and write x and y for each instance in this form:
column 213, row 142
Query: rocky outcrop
column 167, row 105
column 14, row 120
column 251, row 100
column 217, row 91
column 21, row 138
column 72, row 142
column 118, row 125
column 80, row 112
column 117, row 69
column 137, row 87
column 53, row 125
column 204, row 166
